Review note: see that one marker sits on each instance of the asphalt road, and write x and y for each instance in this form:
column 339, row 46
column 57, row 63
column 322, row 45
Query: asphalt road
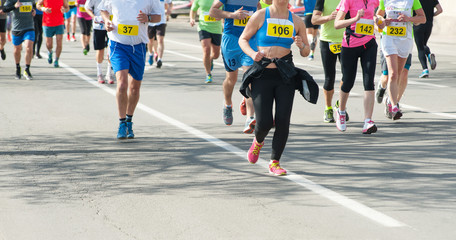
column 64, row 175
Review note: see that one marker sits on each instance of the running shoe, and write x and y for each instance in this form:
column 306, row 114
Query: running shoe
column 311, row 57
column 110, row 79
column 68, row 37
column 56, row 63
column 38, row 56
column 122, row 133
column 340, row 120
column 347, row 118
column 274, row 168
column 130, row 134
column 151, row 60
column 388, row 109
column 228, row 115
column 249, row 126
column 85, row 51
column 50, row 58
column 369, row 127
column 380, row 92
column 159, row 63
column 329, row 116
column 396, row 113
column 73, row 38
column 27, row 74
column 208, row 79
column 100, row 79
column 424, row 74
column 18, row 73
column 2, row 52
column 243, row 107
column 432, row 61
column 254, row 152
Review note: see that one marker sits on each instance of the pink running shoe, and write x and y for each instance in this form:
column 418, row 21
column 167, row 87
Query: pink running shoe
column 101, row 80
column 274, row 168
column 242, row 107
column 369, row 127
column 254, row 151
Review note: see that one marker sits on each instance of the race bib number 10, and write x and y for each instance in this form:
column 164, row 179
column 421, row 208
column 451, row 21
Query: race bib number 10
column 241, row 22
column 279, row 28
column 365, row 27
column 128, row 30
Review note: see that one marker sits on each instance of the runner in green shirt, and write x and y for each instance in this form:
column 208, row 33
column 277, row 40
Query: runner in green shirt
column 210, row 34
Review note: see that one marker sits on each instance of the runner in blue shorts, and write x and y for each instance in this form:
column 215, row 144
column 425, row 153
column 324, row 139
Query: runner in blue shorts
column 70, row 20
column 23, row 32
column 127, row 32
column 236, row 14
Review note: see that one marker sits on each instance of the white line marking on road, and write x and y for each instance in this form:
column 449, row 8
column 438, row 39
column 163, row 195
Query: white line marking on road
column 308, row 184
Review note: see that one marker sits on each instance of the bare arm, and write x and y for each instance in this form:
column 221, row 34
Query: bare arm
column 439, row 9
column 341, row 22
column 192, row 18
column 301, row 36
column 420, row 18
column 218, row 13
column 318, row 19
column 249, row 31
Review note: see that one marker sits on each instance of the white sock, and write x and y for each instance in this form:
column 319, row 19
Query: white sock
column 108, row 69
column 367, row 120
column 151, row 53
column 341, row 112
column 99, row 71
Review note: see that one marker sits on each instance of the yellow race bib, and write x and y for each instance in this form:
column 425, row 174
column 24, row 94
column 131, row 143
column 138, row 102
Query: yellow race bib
column 207, row 17
column 127, row 30
column 396, row 31
column 335, row 48
column 365, row 27
column 282, row 28
column 241, row 22
column 26, row 7
column 72, row 3
column 82, row 8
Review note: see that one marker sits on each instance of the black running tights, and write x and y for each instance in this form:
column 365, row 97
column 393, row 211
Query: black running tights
column 329, row 61
column 266, row 90
column 422, row 33
column 38, row 33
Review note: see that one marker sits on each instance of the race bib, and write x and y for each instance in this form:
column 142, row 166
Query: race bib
column 110, row 17
column 82, row 8
column 128, row 29
column 279, row 28
column 396, row 31
column 72, row 3
column 365, row 27
column 26, row 7
column 242, row 22
column 335, row 48
column 208, row 18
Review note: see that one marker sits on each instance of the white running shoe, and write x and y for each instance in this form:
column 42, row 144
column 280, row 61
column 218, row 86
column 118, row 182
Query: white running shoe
column 369, row 127
column 340, row 120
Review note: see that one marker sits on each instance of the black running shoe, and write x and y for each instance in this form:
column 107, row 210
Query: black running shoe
column 159, row 63
column 380, row 93
column 18, row 73
column 2, row 52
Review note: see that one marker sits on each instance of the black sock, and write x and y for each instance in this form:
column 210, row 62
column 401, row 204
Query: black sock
column 122, row 120
column 129, row 118
column 27, row 67
column 18, row 66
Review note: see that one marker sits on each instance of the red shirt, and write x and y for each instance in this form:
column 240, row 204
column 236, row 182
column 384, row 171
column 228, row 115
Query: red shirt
column 55, row 18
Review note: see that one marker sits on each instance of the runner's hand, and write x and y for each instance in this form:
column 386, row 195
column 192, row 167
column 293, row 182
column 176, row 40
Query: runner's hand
column 241, row 14
column 257, row 56
column 298, row 42
column 18, row 4
column 360, row 14
column 109, row 26
column 142, row 17
column 333, row 15
column 192, row 22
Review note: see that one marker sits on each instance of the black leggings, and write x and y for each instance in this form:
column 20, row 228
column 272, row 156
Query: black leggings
column 349, row 62
column 329, row 61
column 38, row 19
column 266, row 90
column 422, row 33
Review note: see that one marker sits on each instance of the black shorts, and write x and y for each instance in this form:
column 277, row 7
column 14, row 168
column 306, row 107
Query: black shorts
column 100, row 39
column 216, row 39
column 308, row 22
column 85, row 25
column 2, row 25
column 159, row 30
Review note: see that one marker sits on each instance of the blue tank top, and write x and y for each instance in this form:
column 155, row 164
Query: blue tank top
column 235, row 26
column 276, row 32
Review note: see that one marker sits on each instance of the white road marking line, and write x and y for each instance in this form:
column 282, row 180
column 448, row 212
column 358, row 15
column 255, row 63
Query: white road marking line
column 308, row 184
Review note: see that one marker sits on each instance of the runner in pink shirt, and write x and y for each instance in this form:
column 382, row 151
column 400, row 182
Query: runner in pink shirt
column 85, row 23
column 358, row 18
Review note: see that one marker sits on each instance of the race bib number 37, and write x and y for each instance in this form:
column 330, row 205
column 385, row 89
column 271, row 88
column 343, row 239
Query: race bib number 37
column 365, row 27
column 279, row 28
column 128, row 30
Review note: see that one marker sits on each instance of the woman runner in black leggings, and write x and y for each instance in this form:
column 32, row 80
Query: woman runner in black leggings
column 276, row 29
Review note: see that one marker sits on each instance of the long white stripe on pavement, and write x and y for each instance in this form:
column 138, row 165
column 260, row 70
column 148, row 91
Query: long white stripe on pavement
column 312, row 186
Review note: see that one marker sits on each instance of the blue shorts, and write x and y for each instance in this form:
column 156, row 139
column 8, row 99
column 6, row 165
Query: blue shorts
column 232, row 54
column 51, row 31
column 18, row 40
column 128, row 57
column 73, row 11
